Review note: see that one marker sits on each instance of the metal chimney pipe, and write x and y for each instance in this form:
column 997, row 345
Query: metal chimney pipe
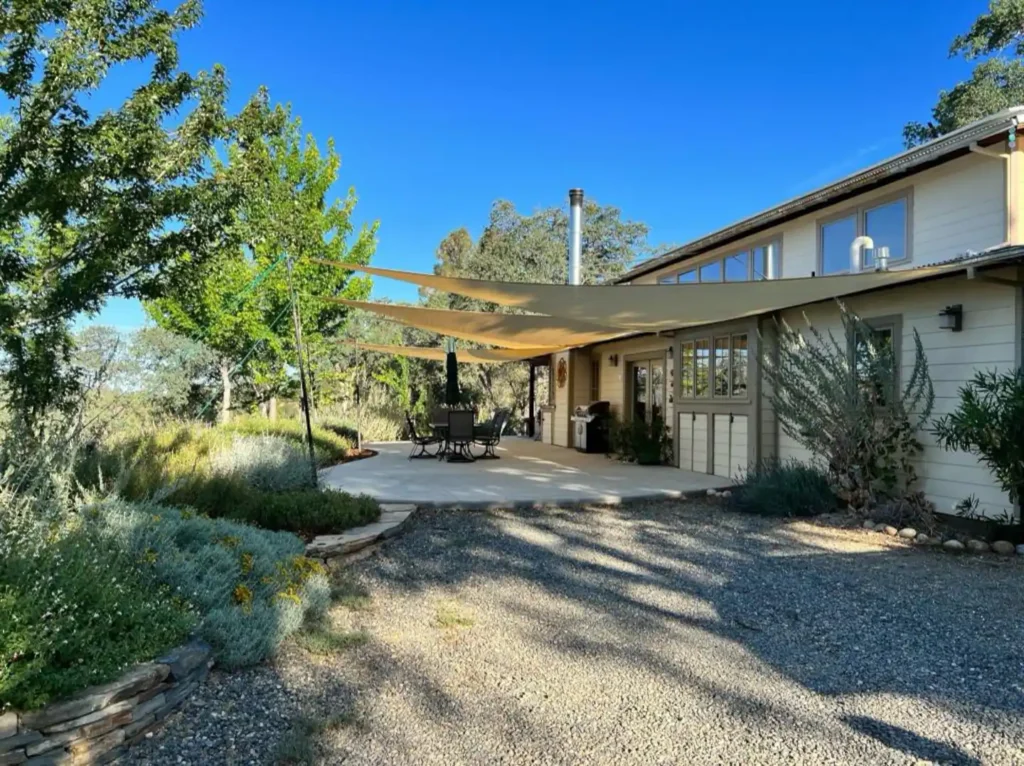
column 575, row 234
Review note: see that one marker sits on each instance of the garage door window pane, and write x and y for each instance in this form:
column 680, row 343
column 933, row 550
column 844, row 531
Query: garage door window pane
column 721, row 366
column 702, row 355
column 686, row 368
column 739, row 365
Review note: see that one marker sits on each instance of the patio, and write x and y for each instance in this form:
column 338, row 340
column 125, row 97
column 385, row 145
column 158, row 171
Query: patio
column 529, row 473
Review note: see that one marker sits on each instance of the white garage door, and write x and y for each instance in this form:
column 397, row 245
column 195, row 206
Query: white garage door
column 730, row 445
column 693, row 441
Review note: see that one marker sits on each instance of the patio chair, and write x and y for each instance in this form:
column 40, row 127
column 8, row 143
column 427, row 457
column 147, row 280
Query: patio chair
column 421, row 444
column 489, row 436
column 460, row 436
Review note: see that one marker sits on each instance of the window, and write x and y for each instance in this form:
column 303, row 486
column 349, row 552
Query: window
column 836, row 237
column 738, row 365
column 688, row 276
column 595, row 380
column 670, row 280
column 702, row 355
column 873, row 368
column 765, row 262
column 718, row 366
column 686, row 368
column 886, row 224
column 711, row 272
column 737, row 267
column 722, row 366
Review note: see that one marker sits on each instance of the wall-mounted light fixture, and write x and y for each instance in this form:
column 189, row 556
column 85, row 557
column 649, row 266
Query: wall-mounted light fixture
column 952, row 318
column 613, row 360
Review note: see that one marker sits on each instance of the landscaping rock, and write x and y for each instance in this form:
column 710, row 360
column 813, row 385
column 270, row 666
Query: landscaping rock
column 890, row 530
column 726, row 494
column 13, row 758
column 1003, row 547
column 880, row 527
column 978, row 546
column 953, row 545
column 1020, row 549
column 908, row 533
column 712, row 492
column 922, row 538
column 19, row 740
column 187, row 658
column 8, row 725
column 868, row 524
column 91, row 718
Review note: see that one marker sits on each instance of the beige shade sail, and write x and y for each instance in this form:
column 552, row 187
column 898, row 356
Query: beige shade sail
column 652, row 308
column 519, row 331
column 472, row 355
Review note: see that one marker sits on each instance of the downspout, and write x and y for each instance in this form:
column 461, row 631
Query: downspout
column 1014, row 177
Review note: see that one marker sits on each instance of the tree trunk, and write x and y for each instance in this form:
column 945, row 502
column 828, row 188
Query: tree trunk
column 225, row 401
column 272, row 408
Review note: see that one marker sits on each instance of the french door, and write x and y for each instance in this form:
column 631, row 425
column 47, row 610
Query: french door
column 647, row 389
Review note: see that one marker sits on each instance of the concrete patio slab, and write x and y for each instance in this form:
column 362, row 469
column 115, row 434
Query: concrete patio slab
column 528, row 474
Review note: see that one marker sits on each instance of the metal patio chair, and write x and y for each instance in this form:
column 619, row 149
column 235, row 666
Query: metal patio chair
column 489, row 436
column 421, row 445
column 460, row 436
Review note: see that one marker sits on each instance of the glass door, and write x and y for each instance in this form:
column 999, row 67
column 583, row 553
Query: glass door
column 657, row 393
column 639, row 390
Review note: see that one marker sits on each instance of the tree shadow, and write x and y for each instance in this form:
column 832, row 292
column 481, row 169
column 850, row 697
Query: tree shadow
column 910, row 743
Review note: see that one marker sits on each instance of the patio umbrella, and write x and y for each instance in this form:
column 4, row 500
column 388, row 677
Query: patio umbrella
column 451, row 384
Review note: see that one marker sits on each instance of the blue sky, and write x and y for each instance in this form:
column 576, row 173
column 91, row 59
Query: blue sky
column 687, row 118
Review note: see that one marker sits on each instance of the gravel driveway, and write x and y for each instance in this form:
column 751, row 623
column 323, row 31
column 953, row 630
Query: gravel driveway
column 669, row 633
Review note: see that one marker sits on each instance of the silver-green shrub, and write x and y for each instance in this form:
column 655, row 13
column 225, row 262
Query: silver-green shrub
column 268, row 463
column 252, row 587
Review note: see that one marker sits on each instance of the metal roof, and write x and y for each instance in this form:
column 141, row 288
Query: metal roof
column 938, row 150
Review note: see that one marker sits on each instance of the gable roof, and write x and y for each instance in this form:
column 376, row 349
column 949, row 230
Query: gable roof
column 942, row 149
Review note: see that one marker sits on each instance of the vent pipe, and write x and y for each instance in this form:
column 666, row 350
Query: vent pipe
column 575, row 234
column 856, row 252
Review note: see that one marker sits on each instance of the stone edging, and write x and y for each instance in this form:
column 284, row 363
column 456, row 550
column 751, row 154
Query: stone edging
column 98, row 724
column 910, row 535
column 392, row 517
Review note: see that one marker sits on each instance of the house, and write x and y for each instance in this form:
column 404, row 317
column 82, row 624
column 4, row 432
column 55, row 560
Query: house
column 958, row 198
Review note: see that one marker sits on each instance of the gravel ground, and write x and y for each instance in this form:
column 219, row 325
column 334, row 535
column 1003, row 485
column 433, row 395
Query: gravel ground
column 669, row 633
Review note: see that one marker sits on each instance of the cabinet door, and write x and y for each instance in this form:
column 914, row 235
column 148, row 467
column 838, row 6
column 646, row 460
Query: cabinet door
column 738, row 446
column 720, row 453
column 700, row 443
column 686, row 441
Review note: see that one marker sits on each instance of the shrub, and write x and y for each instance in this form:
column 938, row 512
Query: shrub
column 77, row 610
column 252, row 588
column 784, row 488
column 840, row 399
column 268, row 463
column 641, row 442
column 195, row 466
column 989, row 423
column 330, row 447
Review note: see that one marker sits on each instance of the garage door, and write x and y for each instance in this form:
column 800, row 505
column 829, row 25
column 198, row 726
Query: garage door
column 693, row 441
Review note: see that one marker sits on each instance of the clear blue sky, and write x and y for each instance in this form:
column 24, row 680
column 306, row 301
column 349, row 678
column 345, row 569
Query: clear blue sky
column 686, row 118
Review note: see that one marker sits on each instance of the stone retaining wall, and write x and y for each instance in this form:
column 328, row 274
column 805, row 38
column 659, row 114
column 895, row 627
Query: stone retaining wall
column 100, row 723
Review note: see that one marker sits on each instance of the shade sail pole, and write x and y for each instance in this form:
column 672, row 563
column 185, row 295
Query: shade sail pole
column 297, row 323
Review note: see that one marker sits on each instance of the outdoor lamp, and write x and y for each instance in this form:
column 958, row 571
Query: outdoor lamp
column 952, row 318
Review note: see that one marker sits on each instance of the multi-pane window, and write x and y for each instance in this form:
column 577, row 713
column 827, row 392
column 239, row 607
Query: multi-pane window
column 886, row 224
column 875, row 361
column 715, row 367
column 761, row 262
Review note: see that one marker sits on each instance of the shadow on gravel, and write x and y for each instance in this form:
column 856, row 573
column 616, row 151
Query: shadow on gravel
column 910, row 743
column 905, row 622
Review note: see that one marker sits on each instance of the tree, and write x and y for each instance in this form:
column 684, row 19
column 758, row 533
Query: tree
column 93, row 205
column 238, row 304
column 170, row 372
column 997, row 81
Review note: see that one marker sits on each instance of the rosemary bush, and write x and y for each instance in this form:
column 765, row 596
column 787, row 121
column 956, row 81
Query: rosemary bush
column 841, row 400
column 267, row 463
column 642, row 442
column 784, row 488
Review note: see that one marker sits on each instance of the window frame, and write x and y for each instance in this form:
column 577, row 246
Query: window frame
column 695, row 266
column 711, row 339
column 893, row 322
column 859, row 214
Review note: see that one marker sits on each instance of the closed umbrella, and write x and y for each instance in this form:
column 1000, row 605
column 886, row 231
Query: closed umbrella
column 451, row 384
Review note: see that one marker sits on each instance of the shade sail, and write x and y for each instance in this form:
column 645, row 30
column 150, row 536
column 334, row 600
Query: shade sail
column 651, row 308
column 520, row 331
column 473, row 355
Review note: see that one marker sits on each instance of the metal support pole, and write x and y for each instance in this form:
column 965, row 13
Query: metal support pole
column 297, row 323
column 531, row 419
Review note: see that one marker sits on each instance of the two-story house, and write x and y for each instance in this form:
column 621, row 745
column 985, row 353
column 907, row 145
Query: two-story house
column 953, row 198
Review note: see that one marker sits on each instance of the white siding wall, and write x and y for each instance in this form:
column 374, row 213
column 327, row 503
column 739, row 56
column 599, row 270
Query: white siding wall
column 613, row 379
column 988, row 341
column 957, row 206
column 562, row 402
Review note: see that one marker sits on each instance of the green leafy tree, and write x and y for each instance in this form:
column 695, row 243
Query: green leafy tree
column 120, row 202
column 997, row 81
column 171, row 372
column 238, row 305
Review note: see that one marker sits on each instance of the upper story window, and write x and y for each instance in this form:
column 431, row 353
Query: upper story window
column 886, row 223
column 760, row 262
